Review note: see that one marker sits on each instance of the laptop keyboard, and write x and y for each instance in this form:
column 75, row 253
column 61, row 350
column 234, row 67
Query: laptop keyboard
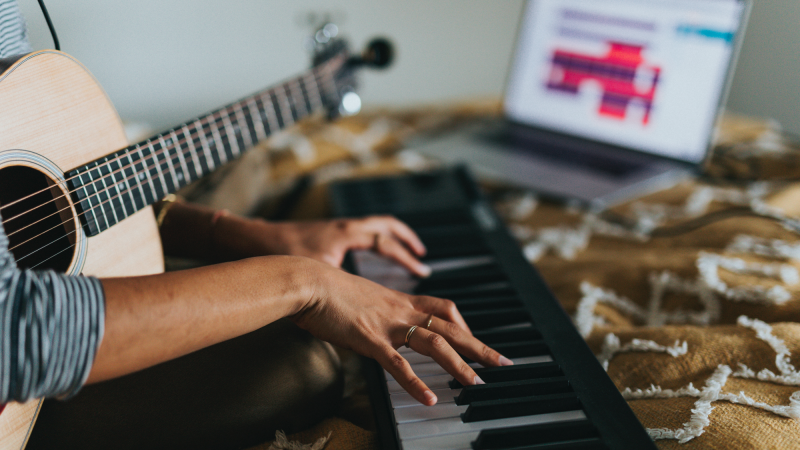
column 616, row 167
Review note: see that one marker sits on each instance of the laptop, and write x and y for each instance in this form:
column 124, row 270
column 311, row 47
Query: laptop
column 606, row 99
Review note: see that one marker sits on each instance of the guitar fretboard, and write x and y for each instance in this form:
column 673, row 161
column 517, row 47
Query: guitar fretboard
column 109, row 189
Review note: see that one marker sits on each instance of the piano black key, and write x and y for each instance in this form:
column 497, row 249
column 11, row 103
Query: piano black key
column 512, row 389
column 514, row 373
column 571, row 434
column 422, row 219
column 501, row 336
column 522, row 349
column 521, row 406
column 481, row 320
column 442, row 250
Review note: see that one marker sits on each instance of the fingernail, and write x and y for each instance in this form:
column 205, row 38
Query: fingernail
column 478, row 380
column 503, row 361
column 425, row 270
column 430, row 397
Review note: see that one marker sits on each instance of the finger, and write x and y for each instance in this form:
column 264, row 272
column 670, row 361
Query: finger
column 395, row 364
column 407, row 236
column 390, row 225
column 467, row 345
column 436, row 346
column 441, row 308
column 389, row 246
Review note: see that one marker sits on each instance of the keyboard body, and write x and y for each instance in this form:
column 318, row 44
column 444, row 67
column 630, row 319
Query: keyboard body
column 556, row 397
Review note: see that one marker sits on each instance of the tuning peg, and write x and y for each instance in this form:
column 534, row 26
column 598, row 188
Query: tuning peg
column 378, row 54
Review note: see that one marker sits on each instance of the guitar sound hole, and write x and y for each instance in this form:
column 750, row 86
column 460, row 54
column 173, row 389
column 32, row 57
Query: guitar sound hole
column 41, row 226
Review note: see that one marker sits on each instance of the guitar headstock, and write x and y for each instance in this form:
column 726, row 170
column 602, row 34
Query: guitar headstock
column 331, row 53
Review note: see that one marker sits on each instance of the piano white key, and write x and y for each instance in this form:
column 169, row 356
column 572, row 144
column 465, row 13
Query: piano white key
column 417, row 358
column 443, row 265
column 422, row 412
column 405, row 351
column 430, row 369
column 404, row 399
column 453, row 425
column 433, row 383
column 460, row 441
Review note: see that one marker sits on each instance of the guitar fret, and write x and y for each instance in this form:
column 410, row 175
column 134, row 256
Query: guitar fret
column 90, row 191
column 173, row 180
column 309, row 108
column 110, row 200
column 118, row 178
column 285, row 106
column 231, row 134
column 300, row 106
column 271, row 113
column 88, row 201
column 210, row 166
column 241, row 118
column 259, row 123
column 132, row 168
column 187, row 137
column 317, row 96
column 156, row 166
column 98, row 197
column 146, row 171
column 181, row 159
column 219, row 145
column 163, row 160
column 279, row 115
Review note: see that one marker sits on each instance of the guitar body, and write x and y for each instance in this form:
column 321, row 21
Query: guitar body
column 54, row 110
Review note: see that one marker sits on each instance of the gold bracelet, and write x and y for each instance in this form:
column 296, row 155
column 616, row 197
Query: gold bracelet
column 167, row 201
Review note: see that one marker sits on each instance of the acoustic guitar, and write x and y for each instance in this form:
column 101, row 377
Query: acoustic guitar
column 69, row 205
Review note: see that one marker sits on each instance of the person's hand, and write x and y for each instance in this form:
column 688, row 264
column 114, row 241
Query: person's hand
column 355, row 313
column 328, row 241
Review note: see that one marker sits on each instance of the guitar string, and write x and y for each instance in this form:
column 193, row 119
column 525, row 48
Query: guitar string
column 94, row 208
column 319, row 72
column 217, row 115
column 154, row 157
column 324, row 71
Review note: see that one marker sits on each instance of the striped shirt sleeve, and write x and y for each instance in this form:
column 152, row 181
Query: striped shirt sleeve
column 50, row 328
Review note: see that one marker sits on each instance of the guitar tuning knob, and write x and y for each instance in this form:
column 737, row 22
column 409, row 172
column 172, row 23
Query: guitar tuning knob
column 378, row 54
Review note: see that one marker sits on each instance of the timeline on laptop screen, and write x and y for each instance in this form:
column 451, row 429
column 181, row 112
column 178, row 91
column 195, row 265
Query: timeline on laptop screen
column 643, row 74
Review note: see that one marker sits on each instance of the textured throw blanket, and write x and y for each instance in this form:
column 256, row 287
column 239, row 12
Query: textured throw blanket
column 690, row 297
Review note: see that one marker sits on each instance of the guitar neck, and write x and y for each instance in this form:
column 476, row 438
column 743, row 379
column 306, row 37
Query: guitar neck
column 114, row 187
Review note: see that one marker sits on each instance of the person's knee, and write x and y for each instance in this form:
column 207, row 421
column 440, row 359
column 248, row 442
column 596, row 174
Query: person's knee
column 235, row 393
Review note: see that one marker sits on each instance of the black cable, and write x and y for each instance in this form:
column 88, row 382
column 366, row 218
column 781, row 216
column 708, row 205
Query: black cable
column 50, row 25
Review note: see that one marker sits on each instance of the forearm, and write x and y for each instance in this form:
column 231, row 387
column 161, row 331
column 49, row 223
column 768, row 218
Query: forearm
column 156, row 318
column 193, row 231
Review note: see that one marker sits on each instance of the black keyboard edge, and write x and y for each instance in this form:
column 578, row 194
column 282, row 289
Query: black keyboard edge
column 602, row 402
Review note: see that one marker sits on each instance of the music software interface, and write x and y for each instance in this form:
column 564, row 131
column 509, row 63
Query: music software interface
column 643, row 74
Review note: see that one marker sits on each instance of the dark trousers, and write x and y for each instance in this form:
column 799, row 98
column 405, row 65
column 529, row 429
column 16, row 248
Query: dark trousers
column 231, row 395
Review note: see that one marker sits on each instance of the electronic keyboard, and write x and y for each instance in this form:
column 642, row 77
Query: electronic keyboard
column 556, row 396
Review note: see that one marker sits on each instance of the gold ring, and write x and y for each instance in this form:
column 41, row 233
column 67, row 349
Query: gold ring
column 430, row 321
column 408, row 335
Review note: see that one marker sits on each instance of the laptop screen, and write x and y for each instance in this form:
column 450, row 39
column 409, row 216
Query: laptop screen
column 642, row 74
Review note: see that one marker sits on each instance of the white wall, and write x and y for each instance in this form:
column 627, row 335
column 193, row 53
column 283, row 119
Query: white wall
column 164, row 61
column 170, row 60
